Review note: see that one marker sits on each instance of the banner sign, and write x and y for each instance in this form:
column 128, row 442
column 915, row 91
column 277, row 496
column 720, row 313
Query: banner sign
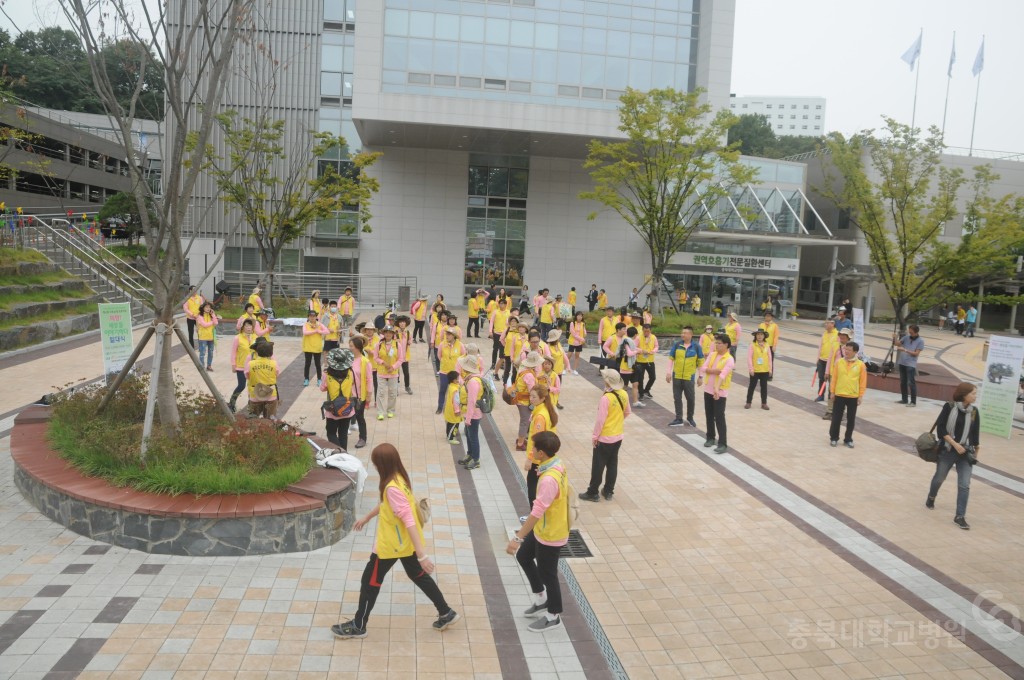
column 999, row 385
column 115, row 336
column 858, row 327
column 734, row 264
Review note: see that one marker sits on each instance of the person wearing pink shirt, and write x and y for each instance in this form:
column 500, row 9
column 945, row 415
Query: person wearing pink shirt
column 389, row 357
column 469, row 370
column 577, row 339
column 717, row 373
column 347, row 308
column 612, row 411
column 362, row 373
column 759, row 367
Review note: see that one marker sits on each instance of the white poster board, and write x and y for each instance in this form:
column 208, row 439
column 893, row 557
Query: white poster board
column 115, row 336
column 858, row 327
column 998, row 398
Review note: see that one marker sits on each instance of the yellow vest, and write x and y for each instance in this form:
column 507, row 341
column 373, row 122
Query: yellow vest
column 194, row 303
column 262, row 371
column 492, row 304
column 547, row 313
column 244, row 349
column 606, row 328
column 475, row 305
column 829, row 342
column 316, row 305
column 542, row 411
column 314, row 342
column 333, row 327
column 554, row 525
column 335, row 388
column 846, row 382
column 602, row 300
column 772, row 333
column 254, row 300
column 500, row 319
column 580, row 328
column 705, row 343
column 387, row 352
column 449, row 355
column 205, row 333
column 732, row 330
column 683, row 367
column 558, row 357
column 760, row 357
column 572, row 298
column 346, row 304
column 616, row 414
column 720, row 364
column 421, row 311
column 646, row 344
column 513, row 344
column 449, row 403
column 365, row 376
column 614, row 344
column 392, row 535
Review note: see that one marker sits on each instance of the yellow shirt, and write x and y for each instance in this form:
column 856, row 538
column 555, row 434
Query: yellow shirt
column 313, row 342
column 602, row 300
column 540, row 421
column 449, row 354
column 572, row 298
column 773, row 333
column 646, row 344
column 500, row 320
column 605, row 329
column 829, row 342
column 613, row 422
column 849, row 378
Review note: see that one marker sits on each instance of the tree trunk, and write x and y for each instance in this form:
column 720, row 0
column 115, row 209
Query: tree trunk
column 166, row 396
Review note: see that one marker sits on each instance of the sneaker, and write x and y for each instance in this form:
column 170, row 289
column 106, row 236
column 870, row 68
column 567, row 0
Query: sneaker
column 544, row 624
column 912, row 404
column 721, row 448
column 575, row 372
column 472, row 465
column 361, row 443
column 834, row 443
column 593, row 498
column 691, row 422
column 353, row 428
column 446, row 620
column 210, row 369
column 463, row 461
column 391, row 414
column 348, row 630
column 746, row 406
column 437, row 412
column 607, row 496
column 380, row 416
column 678, row 422
column 638, row 404
column 820, row 399
column 536, row 609
column 902, row 401
column 962, row 523
column 849, row 445
column 929, row 503
column 764, row 407
column 708, row 443
column 305, row 383
column 559, row 407
column 827, row 416
column 454, row 440
column 408, row 390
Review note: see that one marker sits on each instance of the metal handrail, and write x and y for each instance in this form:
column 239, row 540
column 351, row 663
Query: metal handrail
column 97, row 248
column 367, row 288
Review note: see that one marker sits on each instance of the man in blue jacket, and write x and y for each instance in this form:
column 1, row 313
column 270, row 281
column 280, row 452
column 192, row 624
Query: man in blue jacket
column 684, row 358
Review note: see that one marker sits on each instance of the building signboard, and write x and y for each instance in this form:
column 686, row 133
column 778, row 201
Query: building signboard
column 734, row 264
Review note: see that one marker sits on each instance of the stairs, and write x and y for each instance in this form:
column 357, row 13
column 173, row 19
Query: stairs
column 39, row 302
column 112, row 278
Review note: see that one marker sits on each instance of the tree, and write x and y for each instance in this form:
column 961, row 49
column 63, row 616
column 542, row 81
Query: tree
column 123, row 208
column 190, row 45
column 668, row 172
column 752, row 134
column 282, row 191
column 902, row 214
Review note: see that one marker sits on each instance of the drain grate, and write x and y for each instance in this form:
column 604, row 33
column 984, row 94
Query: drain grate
column 576, row 547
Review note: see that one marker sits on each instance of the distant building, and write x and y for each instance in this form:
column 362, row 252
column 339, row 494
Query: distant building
column 789, row 116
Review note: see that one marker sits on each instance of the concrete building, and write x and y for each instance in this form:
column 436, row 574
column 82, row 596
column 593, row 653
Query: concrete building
column 789, row 116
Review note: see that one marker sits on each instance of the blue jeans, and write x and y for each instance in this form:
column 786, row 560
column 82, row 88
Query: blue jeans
column 948, row 457
column 206, row 346
column 473, row 439
column 442, row 388
column 970, row 329
column 908, row 382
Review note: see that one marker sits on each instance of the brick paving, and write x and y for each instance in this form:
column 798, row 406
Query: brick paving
column 783, row 558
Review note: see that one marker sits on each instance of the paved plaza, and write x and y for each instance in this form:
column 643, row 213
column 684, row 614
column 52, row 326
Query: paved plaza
column 783, row 558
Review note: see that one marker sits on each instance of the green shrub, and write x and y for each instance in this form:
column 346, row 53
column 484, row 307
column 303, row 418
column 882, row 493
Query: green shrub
column 209, row 455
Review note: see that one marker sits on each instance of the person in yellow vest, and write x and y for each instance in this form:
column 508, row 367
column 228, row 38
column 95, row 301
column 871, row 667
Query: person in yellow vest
column 733, row 330
column 572, row 300
column 404, row 336
column 543, row 418
column 557, row 353
column 262, row 327
column 314, row 304
column 577, row 339
column 262, row 372
column 399, row 538
column 448, row 352
column 539, row 541
column 362, row 376
column 453, row 322
column 717, row 371
column 469, row 373
column 254, row 298
column 647, row 345
column 339, row 381
column 477, row 306
column 849, row 382
column 418, row 312
column 454, row 403
column 683, row 361
column 249, row 313
column 759, row 366
column 525, row 380
column 843, row 336
column 389, row 358
column 207, row 333
column 602, row 299
column 241, row 352
column 695, row 303
column 497, row 324
column 772, row 329
column 546, row 314
column 313, row 334
column 683, row 298
column 826, row 348
column 606, row 327
column 193, row 303
column 347, row 309
column 707, row 340
column 553, row 380
column 332, row 319
column 438, row 322
column 612, row 411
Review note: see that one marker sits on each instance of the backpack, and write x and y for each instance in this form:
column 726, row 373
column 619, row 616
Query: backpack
column 341, row 406
column 630, row 360
column 485, row 402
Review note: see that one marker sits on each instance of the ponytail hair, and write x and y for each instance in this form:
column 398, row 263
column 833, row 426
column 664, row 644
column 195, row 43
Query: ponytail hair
column 544, row 394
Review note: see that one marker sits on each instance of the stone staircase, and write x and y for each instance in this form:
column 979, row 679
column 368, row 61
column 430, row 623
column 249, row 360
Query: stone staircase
column 70, row 299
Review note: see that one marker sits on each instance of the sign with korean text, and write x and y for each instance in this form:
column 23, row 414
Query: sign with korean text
column 115, row 336
column 998, row 398
column 735, row 264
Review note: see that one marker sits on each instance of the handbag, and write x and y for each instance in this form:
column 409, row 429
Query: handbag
column 506, row 395
column 927, row 444
column 423, row 511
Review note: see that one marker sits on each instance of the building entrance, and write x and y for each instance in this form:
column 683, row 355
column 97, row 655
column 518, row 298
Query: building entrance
column 745, row 295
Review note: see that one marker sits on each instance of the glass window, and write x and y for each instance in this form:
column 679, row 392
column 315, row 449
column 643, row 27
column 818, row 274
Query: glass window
column 593, row 71
column 545, row 36
column 768, row 106
column 593, row 93
column 640, row 75
column 396, row 22
column 663, row 74
column 518, row 181
column 446, row 56
column 471, row 60
column 471, row 29
column 421, row 56
column 569, row 67
column 419, row 78
column 518, row 86
column 396, row 53
column 521, row 34
column 568, row 91
column 664, row 48
column 421, row 24
column 497, row 31
column 517, row 230
column 332, row 57
column 641, row 47
column 520, row 63
column 616, row 72
column 469, row 82
column 495, row 61
column 570, row 38
column 545, row 65
column 594, row 40
column 497, row 182
column 618, row 43
column 817, row 106
column 477, row 180
column 444, row 81
column 330, row 84
column 446, row 27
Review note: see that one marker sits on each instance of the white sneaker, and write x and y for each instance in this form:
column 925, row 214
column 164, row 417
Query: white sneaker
column 575, row 372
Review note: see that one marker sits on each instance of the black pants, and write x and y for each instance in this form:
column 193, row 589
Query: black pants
column 714, row 418
column 848, row 404
column 822, row 367
column 540, row 564
column 496, row 349
column 451, row 430
column 592, row 304
column 474, row 323
column 758, row 378
column 240, row 375
column 191, row 324
column 605, row 458
column 682, row 388
column 417, row 330
column 337, row 432
column 531, row 484
column 377, row 569
column 642, row 369
column 330, row 344
column 545, row 328
column 508, row 370
column 908, row 382
column 313, row 357
column 361, row 418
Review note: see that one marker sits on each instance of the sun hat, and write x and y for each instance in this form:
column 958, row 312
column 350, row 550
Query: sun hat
column 423, row 298
column 553, row 335
column 732, row 315
column 532, row 360
column 339, row 359
column 312, row 312
column 848, row 332
column 261, row 312
column 388, row 329
column 454, row 330
column 472, row 348
column 468, row 364
column 761, row 331
column 612, row 378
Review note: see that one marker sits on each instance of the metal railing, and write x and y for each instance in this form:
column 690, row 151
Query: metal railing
column 368, row 289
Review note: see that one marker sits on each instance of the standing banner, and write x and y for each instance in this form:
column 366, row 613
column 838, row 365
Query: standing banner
column 999, row 386
column 115, row 336
column 858, row 327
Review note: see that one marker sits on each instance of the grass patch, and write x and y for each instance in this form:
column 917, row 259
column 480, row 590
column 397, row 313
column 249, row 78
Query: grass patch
column 35, row 279
column 209, row 455
column 9, row 256
column 668, row 323
column 129, row 252
column 283, row 309
column 42, row 295
column 54, row 315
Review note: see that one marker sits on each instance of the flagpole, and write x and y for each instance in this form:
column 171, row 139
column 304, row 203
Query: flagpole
column 949, row 79
column 974, row 119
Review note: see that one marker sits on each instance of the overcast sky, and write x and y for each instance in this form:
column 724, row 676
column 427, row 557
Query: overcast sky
column 849, row 53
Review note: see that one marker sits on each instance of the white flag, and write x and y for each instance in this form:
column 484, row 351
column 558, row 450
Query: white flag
column 979, row 61
column 952, row 58
column 911, row 55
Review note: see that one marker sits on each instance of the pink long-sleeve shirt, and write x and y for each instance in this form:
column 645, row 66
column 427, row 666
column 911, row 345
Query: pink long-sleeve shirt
column 602, row 415
column 711, row 382
column 403, row 511
column 473, row 389
column 547, row 493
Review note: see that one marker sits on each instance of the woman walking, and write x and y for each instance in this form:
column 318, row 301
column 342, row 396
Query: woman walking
column 206, row 333
column 577, row 338
column 612, row 411
column 717, row 372
column 759, row 366
column 473, row 381
column 313, row 334
column 362, row 374
column 241, row 351
column 399, row 538
column 524, row 381
column 338, row 382
column 544, row 418
column 958, row 428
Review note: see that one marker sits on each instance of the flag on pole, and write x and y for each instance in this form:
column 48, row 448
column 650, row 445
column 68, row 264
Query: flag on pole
column 952, row 58
column 912, row 54
column 979, row 61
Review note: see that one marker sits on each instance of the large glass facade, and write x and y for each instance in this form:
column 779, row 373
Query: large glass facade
column 572, row 52
column 496, row 220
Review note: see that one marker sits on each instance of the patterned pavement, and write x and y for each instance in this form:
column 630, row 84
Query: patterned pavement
column 782, row 558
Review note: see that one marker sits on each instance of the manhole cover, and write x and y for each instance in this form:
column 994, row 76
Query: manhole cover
column 576, row 547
